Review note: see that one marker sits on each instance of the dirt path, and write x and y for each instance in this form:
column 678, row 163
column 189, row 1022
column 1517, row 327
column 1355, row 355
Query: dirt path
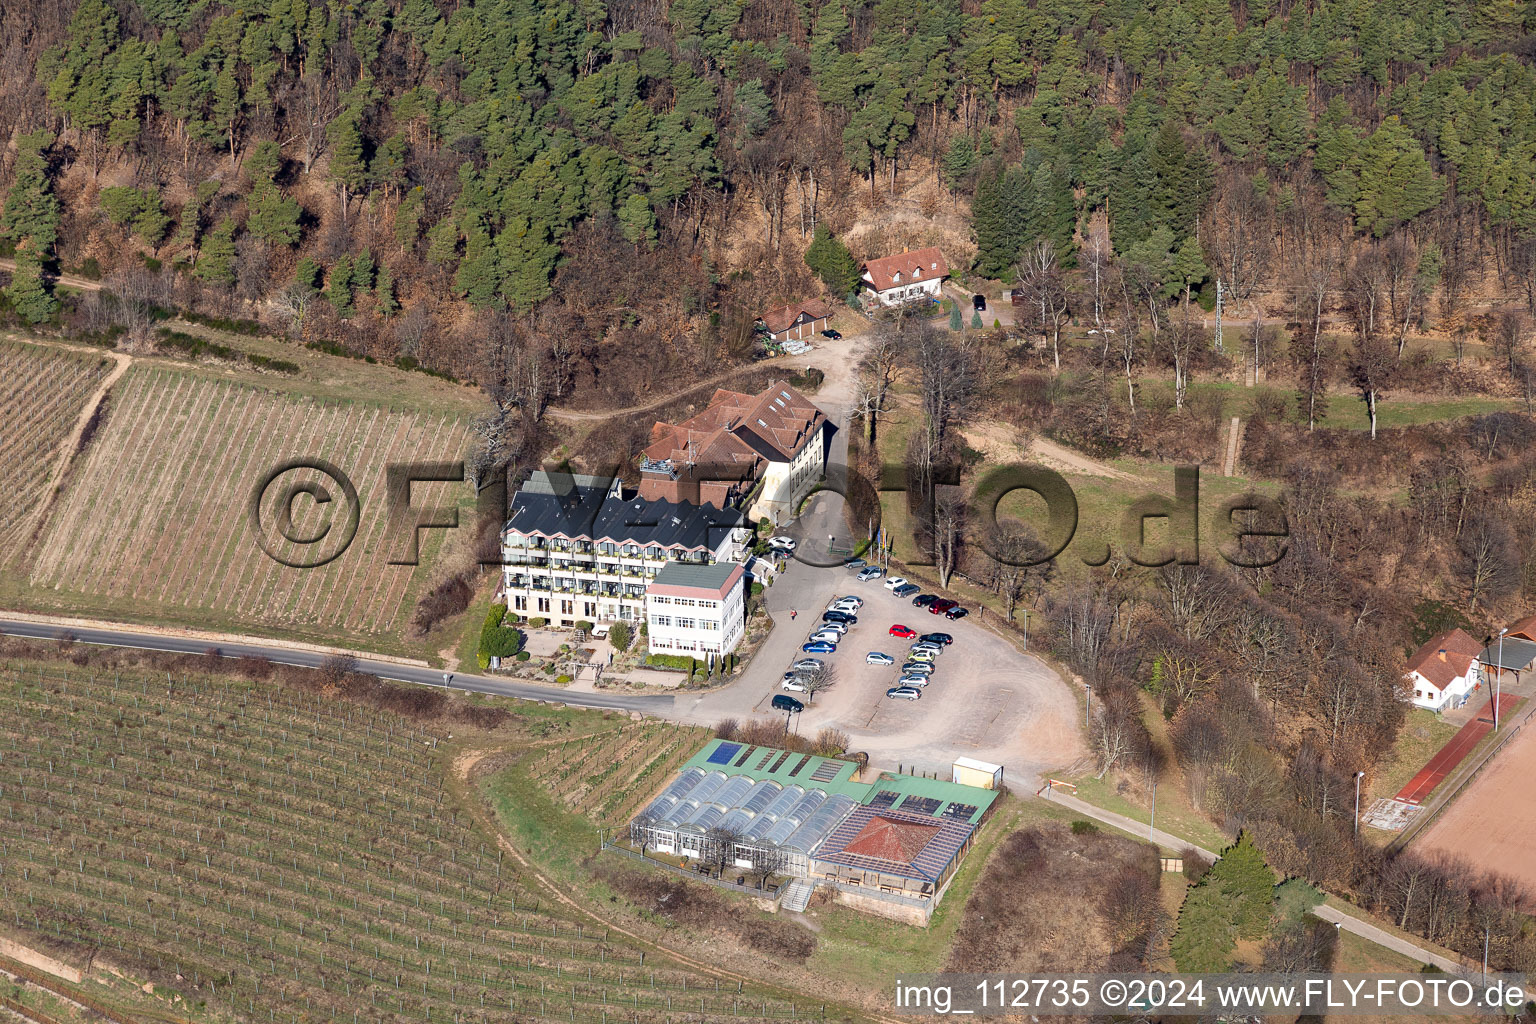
column 1053, row 454
column 464, row 764
column 67, row 280
column 70, row 446
column 716, row 380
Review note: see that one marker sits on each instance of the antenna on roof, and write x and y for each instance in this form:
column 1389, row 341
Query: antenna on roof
column 692, row 452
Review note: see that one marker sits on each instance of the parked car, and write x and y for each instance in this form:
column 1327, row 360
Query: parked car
column 904, row 693
column 912, row 679
column 894, row 582
column 924, row 600
column 831, row 334
column 940, row 606
column 924, row 668
column 794, row 682
column 846, row 607
column 868, row 573
column 938, row 638
column 921, row 656
column 847, row 618
column 854, row 563
column 956, row 613
column 878, row 658
column 782, row 543
column 906, row 590
column 819, row 647
column 929, row 646
column 830, row 636
column 978, row 302
column 809, row 665
column 905, row 632
column 784, row 702
column 857, row 602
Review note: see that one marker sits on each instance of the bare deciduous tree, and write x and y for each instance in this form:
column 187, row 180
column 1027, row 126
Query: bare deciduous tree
column 1043, row 287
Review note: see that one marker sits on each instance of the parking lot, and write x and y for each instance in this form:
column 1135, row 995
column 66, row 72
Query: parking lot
column 985, row 700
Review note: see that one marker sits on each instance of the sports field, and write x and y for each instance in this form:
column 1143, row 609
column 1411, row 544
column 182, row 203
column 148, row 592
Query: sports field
column 1492, row 824
column 43, row 391
column 154, row 521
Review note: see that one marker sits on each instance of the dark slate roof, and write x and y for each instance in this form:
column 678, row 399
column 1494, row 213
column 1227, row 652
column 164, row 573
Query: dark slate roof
column 586, row 507
column 1518, row 654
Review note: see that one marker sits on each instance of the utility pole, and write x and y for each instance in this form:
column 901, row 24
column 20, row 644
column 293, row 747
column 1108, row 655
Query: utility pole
column 1358, row 777
column 1026, row 629
column 1498, row 680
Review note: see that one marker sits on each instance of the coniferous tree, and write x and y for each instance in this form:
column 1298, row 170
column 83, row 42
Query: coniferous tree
column 27, row 292
column 384, row 292
column 338, row 286
column 216, row 260
column 272, row 215
column 832, row 262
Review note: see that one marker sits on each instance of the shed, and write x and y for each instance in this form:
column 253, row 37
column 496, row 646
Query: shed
column 970, row 772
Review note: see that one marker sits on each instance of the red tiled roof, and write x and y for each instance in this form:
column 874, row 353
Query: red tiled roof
column 740, row 428
column 1525, row 628
column 892, row 839
column 1445, row 657
column 917, row 265
column 782, row 319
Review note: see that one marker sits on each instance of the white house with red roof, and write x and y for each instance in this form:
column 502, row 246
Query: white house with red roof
column 912, row 276
column 1445, row 670
column 695, row 610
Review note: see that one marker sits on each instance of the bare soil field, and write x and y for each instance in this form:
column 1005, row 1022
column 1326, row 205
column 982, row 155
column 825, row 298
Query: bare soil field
column 1493, row 823
column 154, row 517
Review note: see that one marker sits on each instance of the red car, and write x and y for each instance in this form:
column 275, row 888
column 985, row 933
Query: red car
column 940, row 607
column 905, row 632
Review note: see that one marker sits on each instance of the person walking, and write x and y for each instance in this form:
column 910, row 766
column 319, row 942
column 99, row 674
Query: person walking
column 791, row 615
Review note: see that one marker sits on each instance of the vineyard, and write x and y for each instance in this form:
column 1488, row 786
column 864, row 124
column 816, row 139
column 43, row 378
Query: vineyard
column 42, row 393
column 283, row 856
column 156, row 518
column 606, row 778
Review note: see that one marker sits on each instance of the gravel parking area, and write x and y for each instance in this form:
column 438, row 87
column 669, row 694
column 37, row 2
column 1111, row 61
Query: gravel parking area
column 985, row 700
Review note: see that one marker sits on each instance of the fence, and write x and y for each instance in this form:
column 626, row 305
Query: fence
column 1423, row 821
column 774, row 894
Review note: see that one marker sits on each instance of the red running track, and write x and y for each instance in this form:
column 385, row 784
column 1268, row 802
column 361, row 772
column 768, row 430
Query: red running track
column 1449, row 756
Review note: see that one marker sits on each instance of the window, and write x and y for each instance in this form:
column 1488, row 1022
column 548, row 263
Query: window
column 543, row 604
column 708, row 624
column 685, row 623
column 662, row 620
column 589, row 608
column 567, row 607
column 521, row 604
column 661, row 600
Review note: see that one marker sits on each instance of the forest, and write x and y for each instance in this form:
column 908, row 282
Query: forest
column 390, row 173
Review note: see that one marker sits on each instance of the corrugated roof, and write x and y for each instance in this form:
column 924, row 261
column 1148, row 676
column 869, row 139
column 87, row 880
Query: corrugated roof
column 689, row 574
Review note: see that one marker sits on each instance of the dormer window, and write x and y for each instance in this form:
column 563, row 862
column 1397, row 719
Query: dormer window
column 896, row 277
column 917, row 272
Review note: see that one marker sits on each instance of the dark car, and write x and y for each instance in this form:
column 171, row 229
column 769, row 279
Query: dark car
column 832, row 334
column 956, row 613
column 784, row 702
column 924, row 600
column 979, row 302
column 941, row 606
column 842, row 617
column 906, row 590
column 938, row 638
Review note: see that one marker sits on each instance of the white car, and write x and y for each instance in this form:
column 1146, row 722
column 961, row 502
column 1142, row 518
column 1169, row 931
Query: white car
column 826, row 635
column 837, row 627
column 894, row 582
column 797, row 684
column 847, row 599
column 782, row 543
column 877, row 658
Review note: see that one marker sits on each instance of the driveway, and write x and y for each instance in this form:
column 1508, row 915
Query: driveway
column 986, row 699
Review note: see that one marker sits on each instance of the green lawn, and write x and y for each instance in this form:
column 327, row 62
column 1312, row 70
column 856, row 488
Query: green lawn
column 1423, row 733
column 1174, row 813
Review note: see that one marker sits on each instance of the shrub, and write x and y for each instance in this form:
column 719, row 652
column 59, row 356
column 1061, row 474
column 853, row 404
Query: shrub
column 585, row 625
column 549, row 668
column 496, row 639
column 1083, row 828
column 522, row 655
column 725, row 729
column 450, row 597
column 537, row 623
column 274, row 365
column 680, row 662
column 562, row 678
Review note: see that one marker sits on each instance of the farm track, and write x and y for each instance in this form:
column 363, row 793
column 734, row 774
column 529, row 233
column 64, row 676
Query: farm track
column 155, row 513
column 204, row 798
column 43, row 426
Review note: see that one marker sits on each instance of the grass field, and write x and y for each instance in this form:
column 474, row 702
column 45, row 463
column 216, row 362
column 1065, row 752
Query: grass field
column 42, row 392
column 1421, row 737
column 275, row 855
column 154, row 522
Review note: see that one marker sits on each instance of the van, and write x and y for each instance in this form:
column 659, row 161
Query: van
column 784, row 702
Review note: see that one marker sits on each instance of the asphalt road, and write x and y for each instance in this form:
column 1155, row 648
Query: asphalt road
column 309, row 659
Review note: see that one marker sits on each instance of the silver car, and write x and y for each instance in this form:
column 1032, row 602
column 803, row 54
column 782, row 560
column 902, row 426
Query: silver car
column 912, row 680
column 878, row 658
column 869, row 573
column 904, row 693
column 920, row 668
column 808, row 665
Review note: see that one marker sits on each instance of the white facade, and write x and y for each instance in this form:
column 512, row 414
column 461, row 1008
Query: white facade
column 907, row 290
column 695, row 621
column 1427, row 694
column 785, row 484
